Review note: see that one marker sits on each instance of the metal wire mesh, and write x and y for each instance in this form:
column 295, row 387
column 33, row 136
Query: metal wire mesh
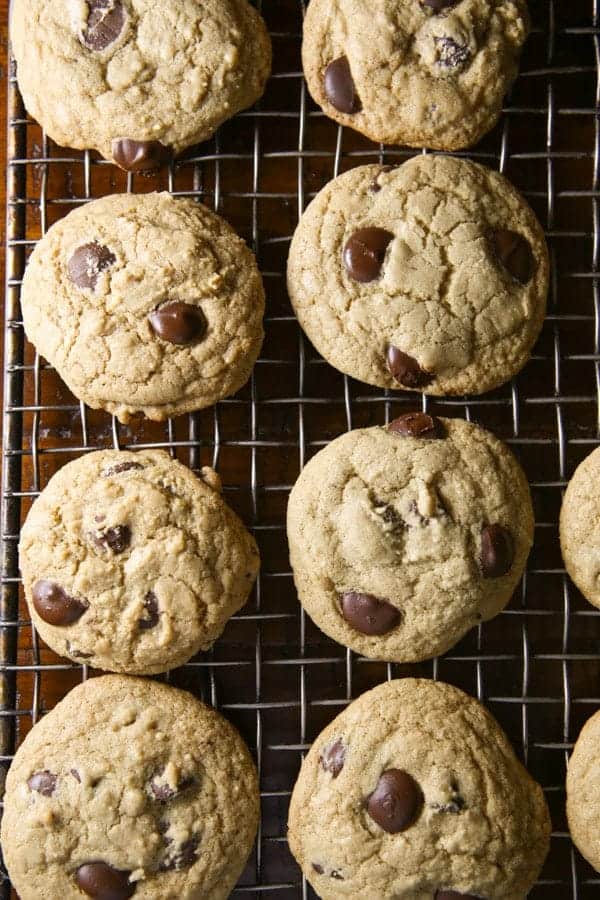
column 537, row 666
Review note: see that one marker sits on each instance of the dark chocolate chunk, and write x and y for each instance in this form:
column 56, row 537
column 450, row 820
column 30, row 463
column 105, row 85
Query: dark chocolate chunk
column 333, row 758
column 439, row 5
column 340, row 89
column 54, row 605
column 369, row 614
column 364, row 253
column 375, row 186
column 318, row 869
column 139, row 156
column 497, row 551
column 451, row 54
column 88, row 262
column 179, row 323
column 43, row 783
column 104, row 25
column 121, row 467
column 163, row 792
column 336, row 875
column 418, row 425
column 406, row 370
column 151, row 615
column 396, row 802
column 99, row 880
column 515, row 254
column 185, row 857
column 116, row 539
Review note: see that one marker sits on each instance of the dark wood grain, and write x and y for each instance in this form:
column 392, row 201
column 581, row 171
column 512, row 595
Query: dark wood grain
column 3, row 90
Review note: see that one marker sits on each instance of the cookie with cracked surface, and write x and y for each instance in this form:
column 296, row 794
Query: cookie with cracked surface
column 583, row 792
column 426, row 73
column 580, row 528
column 129, row 788
column 145, row 304
column 426, row 801
column 145, row 78
column 131, row 563
column 404, row 537
column 432, row 276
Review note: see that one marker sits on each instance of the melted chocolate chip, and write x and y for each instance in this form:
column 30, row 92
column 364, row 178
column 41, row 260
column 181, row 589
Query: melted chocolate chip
column 454, row 895
column 184, row 858
column 333, row 758
column 369, row 614
column 152, row 615
column 179, row 323
column 318, row 869
column 497, row 551
column 139, row 156
column 104, row 25
column 418, row 425
column 88, row 262
column 99, row 880
column 439, row 5
column 121, row 467
column 515, row 254
column 163, row 792
column 451, row 54
column 396, row 801
column 116, row 539
column 340, row 89
column 406, row 370
column 375, row 186
column 43, row 783
column 364, row 253
column 54, row 605
column 336, row 875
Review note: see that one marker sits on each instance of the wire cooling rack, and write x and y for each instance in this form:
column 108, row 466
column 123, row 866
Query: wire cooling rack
column 537, row 666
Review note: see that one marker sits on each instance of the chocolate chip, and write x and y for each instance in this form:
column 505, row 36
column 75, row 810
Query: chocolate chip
column 318, row 869
column 184, row 858
column 163, row 792
column 104, row 25
column 73, row 651
column 121, row 467
column 451, row 54
column 152, row 615
column 497, row 551
column 76, row 775
column 116, row 539
column 43, row 782
column 333, row 758
column 88, row 262
column 178, row 323
column 417, row 425
column 336, row 875
column 364, row 253
column 406, row 370
column 439, row 5
column 99, row 880
column 515, row 254
column 375, row 186
column 396, row 801
column 369, row 614
column 54, row 605
column 139, row 156
column 454, row 895
column 339, row 87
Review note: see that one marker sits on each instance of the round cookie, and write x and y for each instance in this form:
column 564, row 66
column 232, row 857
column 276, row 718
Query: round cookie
column 129, row 788
column 138, row 79
column 583, row 792
column 131, row 563
column 431, row 276
column 145, row 304
column 414, row 791
column 404, row 537
column 580, row 528
column 427, row 73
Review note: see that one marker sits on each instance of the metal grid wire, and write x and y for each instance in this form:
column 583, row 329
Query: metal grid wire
column 537, row 666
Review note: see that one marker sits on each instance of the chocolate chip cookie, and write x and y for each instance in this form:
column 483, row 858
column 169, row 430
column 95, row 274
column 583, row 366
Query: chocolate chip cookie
column 414, row 791
column 583, row 792
column 427, row 73
column 138, row 79
column 432, row 276
column 580, row 528
column 133, row 564
column 403, row 538
column 145, row 304
column 129, row 788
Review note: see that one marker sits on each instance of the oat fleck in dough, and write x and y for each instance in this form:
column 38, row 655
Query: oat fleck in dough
column 132, row 563
column 432, row 276
column 583, row 792
column 417, row 72
column 428, row 802
column 145, row 304
column 403, row 538
column 153, row 796
column 137, row 79
column 580, row 528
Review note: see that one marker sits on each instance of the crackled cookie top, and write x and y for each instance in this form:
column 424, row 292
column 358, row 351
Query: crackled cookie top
column 414, row 792
column 133, row 564
column 145, row 304
column 135, row 79
column 580, row 528
column 427, row 73
column 431, row 276
column 129, row 788
column 404, row 537
column 583, row 792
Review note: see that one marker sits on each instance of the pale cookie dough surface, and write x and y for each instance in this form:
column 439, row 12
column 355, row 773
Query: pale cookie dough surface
column 171, row 72
column 420, row 77
column 97, row 331
column 139, row 776
column 402, row 519
column 155, row 558
column 440, row 294
column 583, row 792
column 483, row 827
column 580, row 528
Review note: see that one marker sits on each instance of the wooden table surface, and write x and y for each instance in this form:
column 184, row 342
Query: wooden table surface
column 3, row 87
